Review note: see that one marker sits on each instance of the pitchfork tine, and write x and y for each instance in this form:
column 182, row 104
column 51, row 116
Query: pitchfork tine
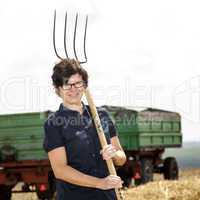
column 74, row 42
column 54, row 33
column 65, row 36
column 85, row 40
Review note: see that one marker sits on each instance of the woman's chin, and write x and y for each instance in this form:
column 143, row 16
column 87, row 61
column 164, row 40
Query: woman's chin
column 74, row 101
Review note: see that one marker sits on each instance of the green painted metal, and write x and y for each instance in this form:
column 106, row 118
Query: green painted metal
column 25, row 133
column 149, row 128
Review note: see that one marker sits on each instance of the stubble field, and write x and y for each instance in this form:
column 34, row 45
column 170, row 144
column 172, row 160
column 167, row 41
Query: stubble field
column 186, row 188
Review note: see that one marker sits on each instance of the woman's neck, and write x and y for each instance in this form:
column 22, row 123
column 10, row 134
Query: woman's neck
column 76, row 107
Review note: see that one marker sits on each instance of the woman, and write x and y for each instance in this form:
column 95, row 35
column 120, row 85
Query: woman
column 72, row 142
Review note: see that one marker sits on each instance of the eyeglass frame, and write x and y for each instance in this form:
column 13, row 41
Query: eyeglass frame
column 74, row 84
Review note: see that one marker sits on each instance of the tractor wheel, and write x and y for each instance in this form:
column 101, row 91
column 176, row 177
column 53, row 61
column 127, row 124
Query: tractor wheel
column 5, row 192
column 50, row 193
column 126, row 175
column 146, row 172
column 170, row 168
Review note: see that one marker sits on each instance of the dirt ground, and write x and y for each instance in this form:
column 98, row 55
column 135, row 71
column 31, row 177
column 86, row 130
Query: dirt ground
column 186, row 188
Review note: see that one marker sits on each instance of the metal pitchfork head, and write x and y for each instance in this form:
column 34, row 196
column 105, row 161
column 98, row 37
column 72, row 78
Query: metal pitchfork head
column 74, row 40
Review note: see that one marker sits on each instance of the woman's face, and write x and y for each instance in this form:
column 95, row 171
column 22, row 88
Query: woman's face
column 72, row 91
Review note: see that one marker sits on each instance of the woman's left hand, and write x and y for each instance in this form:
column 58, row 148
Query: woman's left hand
column 108, row 152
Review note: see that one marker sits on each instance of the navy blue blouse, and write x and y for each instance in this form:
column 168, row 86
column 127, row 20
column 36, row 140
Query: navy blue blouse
column 77, row 133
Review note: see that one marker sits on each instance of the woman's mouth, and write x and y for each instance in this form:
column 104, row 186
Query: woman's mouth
column 74, row 95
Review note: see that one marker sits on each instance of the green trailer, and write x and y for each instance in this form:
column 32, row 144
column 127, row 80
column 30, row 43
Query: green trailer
column 24, row 133
column 143, row 134
column 148, row 128
column 22, row 158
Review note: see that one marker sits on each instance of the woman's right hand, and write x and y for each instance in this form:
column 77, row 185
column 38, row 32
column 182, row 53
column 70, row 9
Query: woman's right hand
column 110, row 182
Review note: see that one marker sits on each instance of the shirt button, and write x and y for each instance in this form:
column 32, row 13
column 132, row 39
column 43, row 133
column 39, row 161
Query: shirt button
column 93, row 155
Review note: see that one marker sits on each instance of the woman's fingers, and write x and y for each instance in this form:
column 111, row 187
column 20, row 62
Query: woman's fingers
column 109, row 151
column 116, row 180
column 111, row 182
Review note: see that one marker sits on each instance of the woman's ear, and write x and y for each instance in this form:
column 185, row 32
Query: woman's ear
column 57, row 91
column 86, row 85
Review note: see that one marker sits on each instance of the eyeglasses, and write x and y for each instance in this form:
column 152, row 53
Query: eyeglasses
column 76, row 85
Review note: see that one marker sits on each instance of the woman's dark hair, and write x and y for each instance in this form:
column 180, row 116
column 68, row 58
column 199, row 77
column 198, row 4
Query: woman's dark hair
column 66, row 68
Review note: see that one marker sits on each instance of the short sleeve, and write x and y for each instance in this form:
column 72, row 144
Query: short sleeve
column 112, row 128
column 52, row 136
column 111, row 124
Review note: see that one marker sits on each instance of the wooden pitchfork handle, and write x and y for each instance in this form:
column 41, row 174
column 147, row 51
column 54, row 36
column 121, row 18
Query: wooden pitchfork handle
column 102, row 138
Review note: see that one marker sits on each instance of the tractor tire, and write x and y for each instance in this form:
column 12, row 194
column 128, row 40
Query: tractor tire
column 125, row 175
column 49, row 194
column 170, row 169
column 5, row 192
column 146, row 171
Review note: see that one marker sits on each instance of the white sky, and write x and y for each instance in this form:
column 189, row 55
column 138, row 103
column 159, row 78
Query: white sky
column 140, row 53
